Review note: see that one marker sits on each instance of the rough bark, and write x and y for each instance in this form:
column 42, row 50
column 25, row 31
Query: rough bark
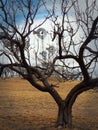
column 64, row 118
column 62, row 115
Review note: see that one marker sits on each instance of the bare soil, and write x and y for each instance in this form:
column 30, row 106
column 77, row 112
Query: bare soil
column 22, row 107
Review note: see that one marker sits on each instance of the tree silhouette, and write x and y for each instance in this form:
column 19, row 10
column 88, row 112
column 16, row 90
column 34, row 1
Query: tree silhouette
column 76, row 39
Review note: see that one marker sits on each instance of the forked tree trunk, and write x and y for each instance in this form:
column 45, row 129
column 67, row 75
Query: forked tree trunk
column 65, row 109
column 64, row 118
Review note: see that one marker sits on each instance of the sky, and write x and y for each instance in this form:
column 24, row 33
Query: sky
column 42, row 13
column 48, row 26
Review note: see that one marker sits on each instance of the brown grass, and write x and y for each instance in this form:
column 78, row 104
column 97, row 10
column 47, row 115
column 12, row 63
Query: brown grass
column 22, row 107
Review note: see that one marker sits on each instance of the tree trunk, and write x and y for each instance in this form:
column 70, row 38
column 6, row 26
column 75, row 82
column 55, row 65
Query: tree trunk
column 65, row 108
column 64, row 118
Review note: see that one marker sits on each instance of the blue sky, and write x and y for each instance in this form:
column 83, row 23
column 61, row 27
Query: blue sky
column 42, row 12
column 17, row 10
column 18, row 7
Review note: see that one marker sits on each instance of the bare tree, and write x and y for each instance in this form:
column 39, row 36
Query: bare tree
column 76, row 38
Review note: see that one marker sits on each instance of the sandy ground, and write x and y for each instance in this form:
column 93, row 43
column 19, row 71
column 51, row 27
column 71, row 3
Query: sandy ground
column 22, row 107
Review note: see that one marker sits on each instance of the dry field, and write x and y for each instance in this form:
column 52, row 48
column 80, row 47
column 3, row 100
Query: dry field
column 22, row 107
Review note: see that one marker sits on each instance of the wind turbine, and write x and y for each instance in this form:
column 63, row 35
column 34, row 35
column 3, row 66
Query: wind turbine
column 41, row 33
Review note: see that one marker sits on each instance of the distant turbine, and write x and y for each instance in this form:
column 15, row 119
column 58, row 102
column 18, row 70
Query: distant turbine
column 41, row 33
